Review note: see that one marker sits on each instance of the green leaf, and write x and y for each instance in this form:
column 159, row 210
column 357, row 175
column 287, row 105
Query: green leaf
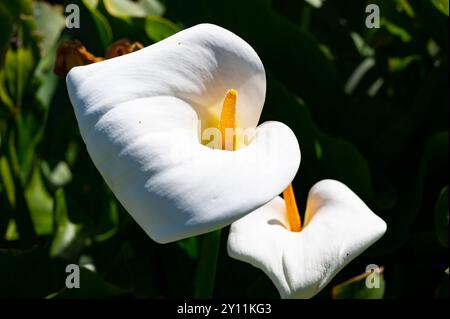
column 59, row 176
column 19, row 67
column 400, row 64
column 189, row 246
column 206, row 270
column 11, row 231
column 67, row 239
column 357, row 288
column 102, row 25
column 40, row 204
column 92, row 285
column 441, row 217
column 7, row 180
column 29, row 134
column 357, row 75
column 24, row 67
column 315, row 3
column 130, row 9
column 5, row 99
column 158, row 28
column 91, row 3
column 441, row 5
column 50, row 22
column 364, row 49
column 396, row 30
column 49, row 80
column 404, row 4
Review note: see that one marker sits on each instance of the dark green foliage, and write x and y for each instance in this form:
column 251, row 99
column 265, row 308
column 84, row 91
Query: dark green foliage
column 368, row 106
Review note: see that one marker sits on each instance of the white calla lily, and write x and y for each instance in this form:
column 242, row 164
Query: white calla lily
column 138, row 116
column 338, row 227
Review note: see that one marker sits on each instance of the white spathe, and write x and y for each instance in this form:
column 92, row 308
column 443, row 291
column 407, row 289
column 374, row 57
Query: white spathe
column 338, row 227
column 138, row 116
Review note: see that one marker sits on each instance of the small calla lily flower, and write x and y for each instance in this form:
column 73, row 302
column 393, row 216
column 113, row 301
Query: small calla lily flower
column 138, row 116
column 302, row 261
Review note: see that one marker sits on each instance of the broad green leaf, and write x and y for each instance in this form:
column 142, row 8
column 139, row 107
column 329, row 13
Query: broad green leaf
column 19, row 66
column 67, row 237
column 152, row 7
column 25, row 64
column 11, row 231
column 441, row 5
column 40, row 204
column 124, row 9
column 357, row 75
column 92, row 285
column 158, row 28
column 49, row 80
column 441, row 217
column 361, row 45
column 7, row 180
column 5, row 98
column 315, row 3
column 101, row 23
column 396, row 30
column 89, row 200
column 91, row 3
column 400, row 64
column 130, row 9
column 404, row 4
column 190, row 246
column 361, row 287
column 29, row 134
column 50, row 22
column 59, row 176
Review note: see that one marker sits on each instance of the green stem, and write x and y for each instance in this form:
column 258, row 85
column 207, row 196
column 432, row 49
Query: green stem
column 306, row 18
column 206, row 269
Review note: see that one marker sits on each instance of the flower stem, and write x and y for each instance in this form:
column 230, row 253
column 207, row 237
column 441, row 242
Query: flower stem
column 206, row 269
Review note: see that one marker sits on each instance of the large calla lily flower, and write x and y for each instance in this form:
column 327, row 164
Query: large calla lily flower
column 138, row 116
column 301, row 262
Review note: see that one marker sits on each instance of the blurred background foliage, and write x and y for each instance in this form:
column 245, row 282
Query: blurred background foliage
column 369, row 107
